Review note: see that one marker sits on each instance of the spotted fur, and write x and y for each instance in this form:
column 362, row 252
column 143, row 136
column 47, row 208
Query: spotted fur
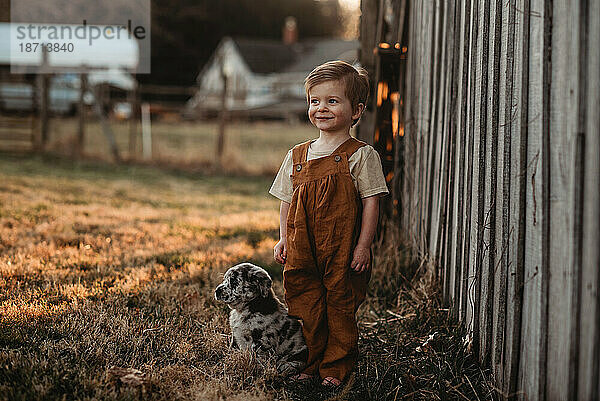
column 259, row 321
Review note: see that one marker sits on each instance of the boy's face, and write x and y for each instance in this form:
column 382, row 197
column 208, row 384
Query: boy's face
column 329, row 109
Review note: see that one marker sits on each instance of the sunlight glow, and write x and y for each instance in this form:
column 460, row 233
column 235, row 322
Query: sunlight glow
column 350, row 4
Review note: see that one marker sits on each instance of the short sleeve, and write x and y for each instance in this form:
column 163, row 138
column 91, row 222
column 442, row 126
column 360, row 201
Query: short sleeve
column 282, row 185
column 369, row 174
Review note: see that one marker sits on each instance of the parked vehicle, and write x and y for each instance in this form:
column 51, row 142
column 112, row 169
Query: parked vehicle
column 63, row 95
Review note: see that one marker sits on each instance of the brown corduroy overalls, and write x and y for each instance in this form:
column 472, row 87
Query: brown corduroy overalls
column 323, row 225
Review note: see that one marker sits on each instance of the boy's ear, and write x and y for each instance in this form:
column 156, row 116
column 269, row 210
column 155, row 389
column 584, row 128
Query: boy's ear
column 358, row 111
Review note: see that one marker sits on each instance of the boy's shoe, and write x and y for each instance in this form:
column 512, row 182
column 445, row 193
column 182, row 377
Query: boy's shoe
column 331, row 382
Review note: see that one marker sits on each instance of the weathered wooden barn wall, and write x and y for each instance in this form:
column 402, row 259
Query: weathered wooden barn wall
column 501, row 181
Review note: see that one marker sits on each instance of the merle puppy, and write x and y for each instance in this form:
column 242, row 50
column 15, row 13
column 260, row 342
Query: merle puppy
column 259, row 321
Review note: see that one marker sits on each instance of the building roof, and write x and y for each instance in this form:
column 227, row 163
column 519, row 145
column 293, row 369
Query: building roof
column 265, row 56
column 317, row 51
column 271, row 56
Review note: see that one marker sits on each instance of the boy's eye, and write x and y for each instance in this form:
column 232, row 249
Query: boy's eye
column 314, row 101
column 332, row 101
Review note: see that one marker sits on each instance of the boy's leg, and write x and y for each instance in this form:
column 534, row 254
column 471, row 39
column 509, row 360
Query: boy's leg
column 345, row 293
column 305, row 297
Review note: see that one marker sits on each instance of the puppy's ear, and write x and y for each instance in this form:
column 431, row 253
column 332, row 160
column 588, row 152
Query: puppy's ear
column 265, row 286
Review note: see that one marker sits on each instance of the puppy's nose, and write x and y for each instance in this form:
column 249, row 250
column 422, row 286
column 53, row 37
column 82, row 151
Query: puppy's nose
column 218, row 292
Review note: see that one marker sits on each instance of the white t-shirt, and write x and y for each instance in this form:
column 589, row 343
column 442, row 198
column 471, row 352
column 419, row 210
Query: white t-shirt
column 365, row 169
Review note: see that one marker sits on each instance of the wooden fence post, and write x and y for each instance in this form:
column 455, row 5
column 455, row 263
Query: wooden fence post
column 223, row 113
column 146, row 132
column 43, row 83
column 98, row 102
column 81, row 110
column 133, row 117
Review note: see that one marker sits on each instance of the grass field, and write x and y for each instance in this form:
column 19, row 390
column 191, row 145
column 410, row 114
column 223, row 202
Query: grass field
column 105, row 268
column 254, row 148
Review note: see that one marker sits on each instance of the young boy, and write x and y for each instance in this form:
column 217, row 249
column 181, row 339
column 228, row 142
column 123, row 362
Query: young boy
column 329, row 190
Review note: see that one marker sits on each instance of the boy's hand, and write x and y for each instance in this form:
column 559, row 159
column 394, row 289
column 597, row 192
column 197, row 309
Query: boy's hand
column 280, row 251
column 361, row 260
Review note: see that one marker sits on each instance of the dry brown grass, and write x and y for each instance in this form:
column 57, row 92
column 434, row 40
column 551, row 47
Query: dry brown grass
column 250, row 148
column 108, row 268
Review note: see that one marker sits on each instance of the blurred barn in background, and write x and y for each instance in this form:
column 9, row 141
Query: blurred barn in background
column 263, row 78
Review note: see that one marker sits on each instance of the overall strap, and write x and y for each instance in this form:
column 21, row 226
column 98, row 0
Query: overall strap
column 351, row 146
column 299, row 152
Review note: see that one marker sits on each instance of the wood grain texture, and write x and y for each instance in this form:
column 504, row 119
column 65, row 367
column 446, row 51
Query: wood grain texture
column 509, row 202
column 495, row 193
column 532, row 272
column 445, row 42
column 589, row 380
column 453, row 133
column 478, row 154
column 460, row 172
column 433, row 136
column 466, row 297
column 518, row 183
column 503, row 199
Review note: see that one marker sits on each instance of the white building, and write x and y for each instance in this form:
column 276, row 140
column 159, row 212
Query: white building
column 264, row 77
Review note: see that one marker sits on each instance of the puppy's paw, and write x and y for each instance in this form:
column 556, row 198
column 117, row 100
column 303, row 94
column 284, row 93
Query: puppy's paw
column 290, row 368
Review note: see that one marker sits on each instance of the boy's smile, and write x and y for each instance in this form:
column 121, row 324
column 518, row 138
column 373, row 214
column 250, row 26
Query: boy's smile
column 329, row 109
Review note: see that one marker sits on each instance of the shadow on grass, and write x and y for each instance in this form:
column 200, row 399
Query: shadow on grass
column 174, row 332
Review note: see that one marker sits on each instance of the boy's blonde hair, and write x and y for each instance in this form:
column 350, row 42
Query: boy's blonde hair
column 355, row 81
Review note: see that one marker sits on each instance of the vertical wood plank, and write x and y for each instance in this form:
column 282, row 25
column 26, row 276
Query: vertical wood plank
column 506, row 99
column 563, row 123
column 436, row 54
column 420, row 93
column 445, row 123
column 368, row 35
column 478, row 185
column 442, row 190
column 578, row 206
column 458, row 260
column 518, row 194
column 408, row 171
column 575, row 328
column 589, row 380
column 487, row 177
column 453, row 134
column 432, row 134
column 446, row 159
column 483, row 211
column 546, row 188
column 424, row 119
column 509, row 201
column 474, row 275
column 428, row 11
column 418, row 133
column 495, row 193
column 439, row 127
column 468, row 278
column 532, row 285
